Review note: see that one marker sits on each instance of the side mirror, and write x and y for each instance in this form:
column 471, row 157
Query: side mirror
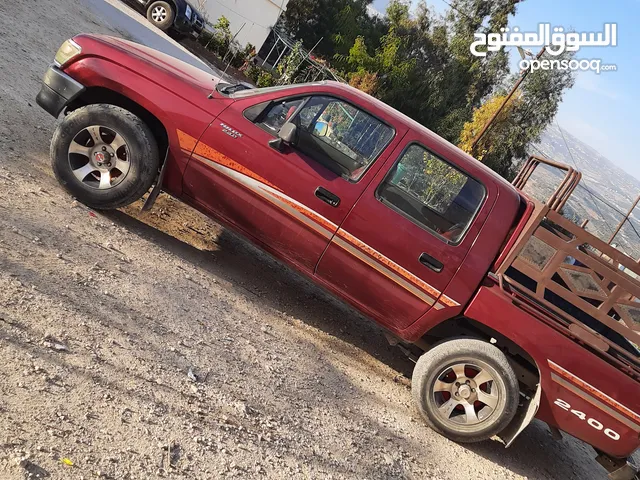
column 320, row 129
column 288, row 133
column 286, row 136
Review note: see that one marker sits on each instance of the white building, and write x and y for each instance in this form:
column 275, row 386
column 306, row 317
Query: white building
column 257, row 16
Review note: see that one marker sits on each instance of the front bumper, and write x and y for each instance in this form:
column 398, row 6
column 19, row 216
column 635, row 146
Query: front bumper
column 57, row 91
column 198, row 25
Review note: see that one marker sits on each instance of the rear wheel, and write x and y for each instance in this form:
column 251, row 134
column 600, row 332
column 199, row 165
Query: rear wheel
column 161, row 14
column 465, row 389
column 104, row 156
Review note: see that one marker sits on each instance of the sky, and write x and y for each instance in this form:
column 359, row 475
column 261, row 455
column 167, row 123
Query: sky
column 601, row 110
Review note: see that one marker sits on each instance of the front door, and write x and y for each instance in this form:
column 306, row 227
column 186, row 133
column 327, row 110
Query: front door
column 290, row 200
column 406, row 236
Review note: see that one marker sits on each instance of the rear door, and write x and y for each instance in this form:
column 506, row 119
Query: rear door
column 293, row 199
column 405, row 238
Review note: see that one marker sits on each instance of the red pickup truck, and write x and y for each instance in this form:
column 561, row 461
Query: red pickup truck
column 510, row 310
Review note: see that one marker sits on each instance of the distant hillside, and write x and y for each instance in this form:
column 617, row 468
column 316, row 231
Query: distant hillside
column 600, row 176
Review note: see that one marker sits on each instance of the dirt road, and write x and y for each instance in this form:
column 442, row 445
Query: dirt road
column 160, row 345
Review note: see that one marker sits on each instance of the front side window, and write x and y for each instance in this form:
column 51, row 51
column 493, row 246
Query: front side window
column 279, row 113
column 432, row 193
column 340, row 136
column 346, row 135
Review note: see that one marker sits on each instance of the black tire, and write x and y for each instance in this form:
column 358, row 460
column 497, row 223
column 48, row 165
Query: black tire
column 142, row 156
column 166, row 22
column 433, row 365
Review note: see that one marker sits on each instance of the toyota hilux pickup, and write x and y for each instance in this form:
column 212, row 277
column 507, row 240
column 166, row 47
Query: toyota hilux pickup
column 510, row 310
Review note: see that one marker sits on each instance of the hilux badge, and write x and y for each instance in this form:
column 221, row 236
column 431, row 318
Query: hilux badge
column 230, row 131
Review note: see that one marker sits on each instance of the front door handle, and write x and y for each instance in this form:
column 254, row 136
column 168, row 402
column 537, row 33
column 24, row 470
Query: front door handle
column 430, row 262
column 328, row 197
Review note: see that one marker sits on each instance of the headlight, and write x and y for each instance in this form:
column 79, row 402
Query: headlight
column 67, row 51
column 188, row 12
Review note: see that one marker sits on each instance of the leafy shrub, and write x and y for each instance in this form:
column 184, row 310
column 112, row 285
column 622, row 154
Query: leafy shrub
column 244, row 57
column 366, row 81
column 237, row 60
column 205, row 38
column 265, row 79
column 223, row 35
column 217, row 42
column 253, row 73
column 249, row 52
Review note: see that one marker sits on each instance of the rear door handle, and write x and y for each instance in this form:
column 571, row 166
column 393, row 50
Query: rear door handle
column 328, row 197
column 430, row 262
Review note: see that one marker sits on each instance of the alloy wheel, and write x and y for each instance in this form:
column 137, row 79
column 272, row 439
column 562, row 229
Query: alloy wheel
column 99, row 157
column 466, row 393
column 159, row 14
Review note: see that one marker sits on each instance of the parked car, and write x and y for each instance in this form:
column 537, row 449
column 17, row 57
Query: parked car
column 177, row 16
column 468, row 275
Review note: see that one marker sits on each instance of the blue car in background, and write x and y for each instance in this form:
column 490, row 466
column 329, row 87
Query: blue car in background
column 171, row 16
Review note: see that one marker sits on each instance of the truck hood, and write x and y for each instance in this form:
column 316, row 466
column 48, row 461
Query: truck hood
column 191, row 83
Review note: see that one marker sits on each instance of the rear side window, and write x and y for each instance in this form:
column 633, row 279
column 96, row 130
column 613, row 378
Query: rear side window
column 432, row 193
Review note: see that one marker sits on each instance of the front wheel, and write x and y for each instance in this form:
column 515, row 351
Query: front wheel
column 161, row 14
column 105, row 156
column 465, row 389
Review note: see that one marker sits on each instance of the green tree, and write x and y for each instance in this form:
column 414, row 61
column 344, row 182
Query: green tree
column 481, row 116
column 335, row 23
column 461, row 80
column 424, row 64
column 532, row 110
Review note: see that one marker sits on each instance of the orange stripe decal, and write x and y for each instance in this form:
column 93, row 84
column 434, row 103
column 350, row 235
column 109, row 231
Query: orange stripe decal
column 309, row 213
column 187, row 142
column 214, row 155
column 362, row 256
column 449, row 302
column 273, row 195
column 593, row 391
column 390, row 264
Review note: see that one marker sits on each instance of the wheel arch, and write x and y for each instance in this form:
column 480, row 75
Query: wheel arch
column 97, row 95
column 523, row 363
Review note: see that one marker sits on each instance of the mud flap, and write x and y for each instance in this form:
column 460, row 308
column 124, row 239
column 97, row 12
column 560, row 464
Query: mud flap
column 523, row 417
column 618, row 468
column 151, row 199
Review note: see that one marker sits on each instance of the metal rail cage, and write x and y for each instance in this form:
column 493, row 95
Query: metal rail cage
column 572, row 280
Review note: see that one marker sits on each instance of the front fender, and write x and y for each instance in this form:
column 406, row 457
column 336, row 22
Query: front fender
column 174, row 112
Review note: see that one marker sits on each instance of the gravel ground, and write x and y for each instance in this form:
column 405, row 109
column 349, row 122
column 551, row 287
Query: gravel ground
column 161, row 345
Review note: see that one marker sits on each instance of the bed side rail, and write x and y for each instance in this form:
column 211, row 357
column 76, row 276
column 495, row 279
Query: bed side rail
column 590, row 286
